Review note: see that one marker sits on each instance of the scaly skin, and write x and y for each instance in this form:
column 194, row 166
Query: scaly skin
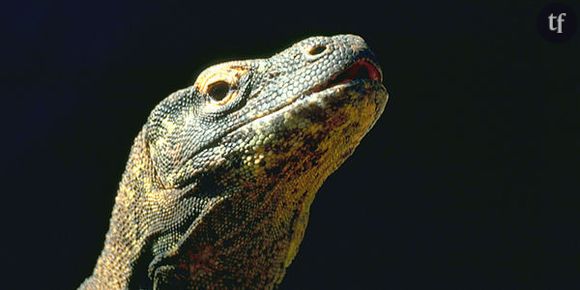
column 219, row 182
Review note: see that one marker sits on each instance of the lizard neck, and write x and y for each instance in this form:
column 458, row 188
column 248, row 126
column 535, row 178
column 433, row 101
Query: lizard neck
column 114, row 265
column 127, row 233
column 263, row 235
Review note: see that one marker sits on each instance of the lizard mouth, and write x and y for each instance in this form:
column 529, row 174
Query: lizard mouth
column 362, row 69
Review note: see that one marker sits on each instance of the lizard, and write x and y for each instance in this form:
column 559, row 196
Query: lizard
column 218, row 185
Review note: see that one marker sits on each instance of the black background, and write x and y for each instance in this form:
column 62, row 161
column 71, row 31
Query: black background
column 468, row 181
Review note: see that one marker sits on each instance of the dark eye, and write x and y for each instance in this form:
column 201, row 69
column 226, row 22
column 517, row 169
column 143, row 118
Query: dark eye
column 218, row 90
column 317, row 50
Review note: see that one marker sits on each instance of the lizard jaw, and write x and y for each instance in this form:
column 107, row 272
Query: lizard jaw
column 362, row 69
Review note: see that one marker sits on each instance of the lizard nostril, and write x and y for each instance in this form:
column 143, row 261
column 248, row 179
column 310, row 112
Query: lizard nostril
column 318, row 49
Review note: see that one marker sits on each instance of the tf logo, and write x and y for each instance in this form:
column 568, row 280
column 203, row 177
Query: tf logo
column 557, row 22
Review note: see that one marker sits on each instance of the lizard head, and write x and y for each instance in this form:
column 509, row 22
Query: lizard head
column 312, row 82
column 261, row 135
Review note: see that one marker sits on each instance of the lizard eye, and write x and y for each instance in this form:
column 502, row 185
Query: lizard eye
column 218, row 90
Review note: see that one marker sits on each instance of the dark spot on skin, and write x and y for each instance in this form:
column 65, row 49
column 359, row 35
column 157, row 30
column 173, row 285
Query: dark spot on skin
column 273, row 74
column 270, row 187
column 237, row 162
column 336, row 120
column 317, row 115
column 274, row 171
column 250, row 250
column 256, row 280
column 201, row 259
column 238, row 67
column 294, row 159
column 208, row 185
column 227, row 243
column 314, row 161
